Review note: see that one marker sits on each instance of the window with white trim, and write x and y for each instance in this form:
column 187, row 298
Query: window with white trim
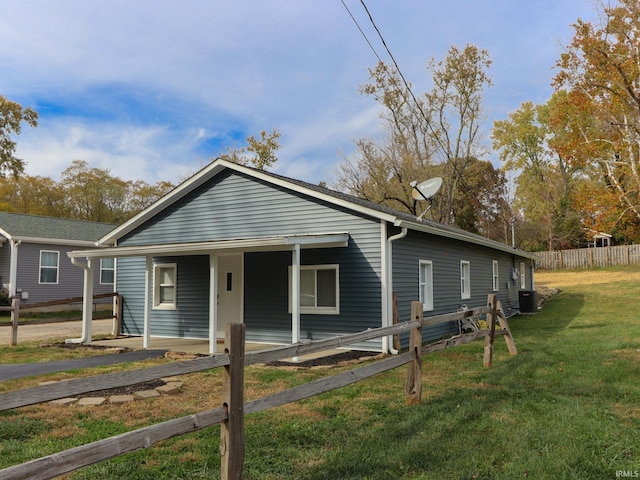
column 164, row 286
column 523, row 276
column 465, row 279
column 426, row 284
column 49, row 266
column 495, row 275
column 319, row 289
column 107, row 271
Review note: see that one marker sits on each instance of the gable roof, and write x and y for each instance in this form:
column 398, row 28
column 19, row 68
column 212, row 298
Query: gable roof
column 41, row 229
column 366, row 207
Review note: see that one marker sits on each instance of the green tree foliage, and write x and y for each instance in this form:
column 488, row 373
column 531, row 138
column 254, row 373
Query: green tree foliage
column 260, row 152
column 546, row 186
column 434, row 134
column 83, row 193
column 12, row 115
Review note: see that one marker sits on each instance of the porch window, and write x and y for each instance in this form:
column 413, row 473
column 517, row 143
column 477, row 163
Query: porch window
column 49, row 263
column 319, row 289
column 164, row 286
column 465, row 279
column 426, row 284
column 496, row 276
column 107, row 271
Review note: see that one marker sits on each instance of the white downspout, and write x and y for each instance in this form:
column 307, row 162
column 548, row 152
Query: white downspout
column 13, row 267
column 213, row 302
column 87, row 302
column 387, row 344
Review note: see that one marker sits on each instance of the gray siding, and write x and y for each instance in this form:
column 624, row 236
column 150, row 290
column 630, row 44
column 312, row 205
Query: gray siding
column 446, row 255
column 70, row 277
column 5, row 263
column 233, row 206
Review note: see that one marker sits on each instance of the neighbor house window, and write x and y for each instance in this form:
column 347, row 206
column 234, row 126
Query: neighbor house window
column 164, row 286
column 49, row 263
column 523, row 276
column 465, row 279
column 107, row 271
column 426, row 284
column 319, row 289
column 496, row 276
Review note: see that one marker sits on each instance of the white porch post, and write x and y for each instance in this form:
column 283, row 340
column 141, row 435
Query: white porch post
column 147, row 303
column 87, row 302
column 13, row 267
column 295, row 294
column 213, row 302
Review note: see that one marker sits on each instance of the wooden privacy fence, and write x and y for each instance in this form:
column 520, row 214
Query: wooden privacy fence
column 230, row 415
column 589, row 257
column 16, row 308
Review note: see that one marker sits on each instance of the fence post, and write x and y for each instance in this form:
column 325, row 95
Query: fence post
column 232, row 429
column 413, row 387
column 492, row 301
column 508, row 338
column 15, row 319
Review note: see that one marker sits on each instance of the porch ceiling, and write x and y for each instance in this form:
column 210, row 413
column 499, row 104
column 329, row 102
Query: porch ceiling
column 284, row 242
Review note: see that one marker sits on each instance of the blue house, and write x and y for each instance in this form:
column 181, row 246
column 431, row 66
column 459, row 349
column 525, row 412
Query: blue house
column 293, row 261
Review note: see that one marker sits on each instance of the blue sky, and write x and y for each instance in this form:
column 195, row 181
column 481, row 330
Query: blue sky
column 153, row 89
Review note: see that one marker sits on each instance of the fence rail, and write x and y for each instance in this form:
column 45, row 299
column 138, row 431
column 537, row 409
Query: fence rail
column 589, row 257
column 231, row 414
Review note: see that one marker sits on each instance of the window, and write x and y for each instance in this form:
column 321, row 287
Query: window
column 523, row 276
column 164, row 286
column 496, row 276
column 107, row 271
column 319, row 289
column 49, row 262
column 426, row 284
column 465, row 279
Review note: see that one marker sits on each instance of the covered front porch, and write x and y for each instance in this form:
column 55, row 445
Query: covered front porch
column 161, row 295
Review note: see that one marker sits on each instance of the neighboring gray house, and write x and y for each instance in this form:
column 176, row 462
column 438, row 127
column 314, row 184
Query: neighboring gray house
column 33, row 257
column 294, row 262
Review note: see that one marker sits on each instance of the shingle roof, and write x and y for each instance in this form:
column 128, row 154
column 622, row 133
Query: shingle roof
column 19, row 226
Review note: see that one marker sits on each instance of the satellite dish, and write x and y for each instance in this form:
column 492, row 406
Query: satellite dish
column 427, row 189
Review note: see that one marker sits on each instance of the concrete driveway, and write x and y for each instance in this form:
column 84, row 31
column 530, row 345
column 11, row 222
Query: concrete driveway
column 56, row 330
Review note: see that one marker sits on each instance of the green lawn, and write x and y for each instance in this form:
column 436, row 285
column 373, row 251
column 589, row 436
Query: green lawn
column 566, row 407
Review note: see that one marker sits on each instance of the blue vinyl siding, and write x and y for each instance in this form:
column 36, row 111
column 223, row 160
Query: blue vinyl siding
column 446, row 257
column 232, row 206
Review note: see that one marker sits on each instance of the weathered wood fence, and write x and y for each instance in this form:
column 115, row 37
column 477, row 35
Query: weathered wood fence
column 16, row 308
column 589, row 257
column 230, row 415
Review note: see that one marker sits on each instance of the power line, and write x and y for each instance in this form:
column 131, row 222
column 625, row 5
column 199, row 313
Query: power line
column 443, row 148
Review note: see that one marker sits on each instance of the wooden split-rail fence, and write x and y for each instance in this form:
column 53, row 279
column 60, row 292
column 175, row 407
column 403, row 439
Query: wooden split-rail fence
column 230, row 415
column 16, row 308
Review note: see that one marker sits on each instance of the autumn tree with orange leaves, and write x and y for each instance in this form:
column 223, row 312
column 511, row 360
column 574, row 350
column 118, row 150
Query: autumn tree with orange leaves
column 600, row 70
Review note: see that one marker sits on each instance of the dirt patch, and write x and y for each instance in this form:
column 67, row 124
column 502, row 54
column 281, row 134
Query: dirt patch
column 128, row 390
column 347, row 357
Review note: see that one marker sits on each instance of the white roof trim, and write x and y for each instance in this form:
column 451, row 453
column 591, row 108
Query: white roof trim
column 211, row 171
column 53, row 241
column 324, row 240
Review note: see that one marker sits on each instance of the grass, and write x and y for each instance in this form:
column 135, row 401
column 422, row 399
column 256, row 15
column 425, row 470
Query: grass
column 566, row 407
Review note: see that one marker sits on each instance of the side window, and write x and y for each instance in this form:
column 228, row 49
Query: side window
column 426, row 284
column 465, row 280
column 107, row 271
column 523, row 276
column 496, row 276
column 49, row 263
column 319, row 289
column 164, row 286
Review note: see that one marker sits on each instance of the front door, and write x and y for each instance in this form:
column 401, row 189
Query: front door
column 229, row 291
